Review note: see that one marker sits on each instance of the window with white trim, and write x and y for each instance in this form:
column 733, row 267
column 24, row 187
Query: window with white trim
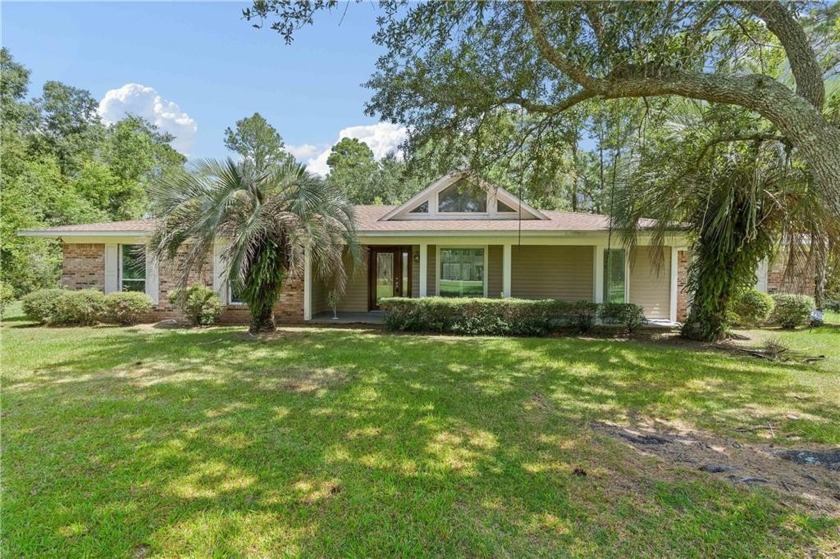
column 462, row 197
column 461, row 272
column 133, row 268
column 615, row 275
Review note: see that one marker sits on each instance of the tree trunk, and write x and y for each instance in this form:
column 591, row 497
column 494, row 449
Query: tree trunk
column 262, row 319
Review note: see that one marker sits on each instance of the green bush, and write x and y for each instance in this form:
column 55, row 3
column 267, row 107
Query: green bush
column 40, row 306
column 83, row 307
column 201, row 305
column 751, row 307
column 501, row 317
column 584, row 314
column 627, row 315
column 7, row 295
column 792, row 310
column 127, row 307
column 477, row 317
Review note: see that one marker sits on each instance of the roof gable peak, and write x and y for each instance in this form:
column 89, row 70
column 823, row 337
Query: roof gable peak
column 463, row 195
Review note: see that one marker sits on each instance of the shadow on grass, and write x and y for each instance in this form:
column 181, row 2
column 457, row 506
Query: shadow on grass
column 340, row 442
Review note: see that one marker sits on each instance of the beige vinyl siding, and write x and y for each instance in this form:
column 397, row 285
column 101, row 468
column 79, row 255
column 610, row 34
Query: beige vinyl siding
column 557, row 272
column 431, row 272
column 355, row 298
column 320, row 302
column 649, row 289
column 494, row 271
column 415, row 272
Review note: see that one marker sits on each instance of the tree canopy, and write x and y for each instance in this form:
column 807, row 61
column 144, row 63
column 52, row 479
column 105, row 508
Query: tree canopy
column 449, row 67
column 257, row 141
column 60, row 164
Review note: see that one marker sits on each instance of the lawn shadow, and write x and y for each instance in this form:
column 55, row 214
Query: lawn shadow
column 205, row 439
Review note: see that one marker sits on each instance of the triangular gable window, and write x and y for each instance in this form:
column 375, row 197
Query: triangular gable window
column 462, row 197
column 501, row 207
column 421, row 209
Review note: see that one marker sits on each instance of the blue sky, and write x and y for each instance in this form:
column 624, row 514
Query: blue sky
column 203, row 67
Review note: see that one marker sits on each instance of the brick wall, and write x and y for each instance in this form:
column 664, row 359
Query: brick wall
column 782, row 280
column 84, row 266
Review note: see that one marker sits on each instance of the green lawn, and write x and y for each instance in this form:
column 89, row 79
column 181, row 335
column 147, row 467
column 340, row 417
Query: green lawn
column 140, row 442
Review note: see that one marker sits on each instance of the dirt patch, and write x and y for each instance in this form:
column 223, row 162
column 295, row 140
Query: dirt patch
column 811, row 477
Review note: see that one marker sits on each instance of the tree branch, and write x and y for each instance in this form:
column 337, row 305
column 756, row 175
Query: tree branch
column 553, row 108
column 551, row 54
column 803, row 61
column 754, row 137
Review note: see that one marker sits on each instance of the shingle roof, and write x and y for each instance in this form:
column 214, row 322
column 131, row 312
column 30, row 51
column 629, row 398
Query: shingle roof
column 368, row 220
column 131, row 226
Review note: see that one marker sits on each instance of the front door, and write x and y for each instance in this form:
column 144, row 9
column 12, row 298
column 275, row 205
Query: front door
column 390, row 274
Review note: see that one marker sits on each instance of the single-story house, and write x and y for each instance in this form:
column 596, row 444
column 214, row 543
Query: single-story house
column 459, row 237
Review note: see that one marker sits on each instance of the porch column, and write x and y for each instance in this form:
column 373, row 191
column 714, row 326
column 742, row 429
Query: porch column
column 424, row 267
column 307, row 284
column 506, row 269
column 598, row 275
column 674, row 289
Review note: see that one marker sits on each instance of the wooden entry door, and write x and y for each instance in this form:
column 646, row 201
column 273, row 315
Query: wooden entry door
column 390, row 274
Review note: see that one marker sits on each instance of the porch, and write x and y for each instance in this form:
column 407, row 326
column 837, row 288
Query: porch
column 343, row 317
column 571, row 269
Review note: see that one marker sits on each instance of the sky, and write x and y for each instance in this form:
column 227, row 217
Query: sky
column 196, row 68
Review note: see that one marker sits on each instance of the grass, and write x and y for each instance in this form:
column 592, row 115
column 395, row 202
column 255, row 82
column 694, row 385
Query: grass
column 136, row 442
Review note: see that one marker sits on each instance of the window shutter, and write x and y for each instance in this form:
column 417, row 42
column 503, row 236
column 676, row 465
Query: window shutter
column 112, row 260
column 152, row 276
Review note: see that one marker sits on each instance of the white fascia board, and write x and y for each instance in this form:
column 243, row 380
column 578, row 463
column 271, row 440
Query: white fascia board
column 490, row 237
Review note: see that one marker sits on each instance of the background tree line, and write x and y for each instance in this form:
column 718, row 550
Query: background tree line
column 60, row 164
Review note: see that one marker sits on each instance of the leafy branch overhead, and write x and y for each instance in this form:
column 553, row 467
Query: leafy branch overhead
column 448, row 64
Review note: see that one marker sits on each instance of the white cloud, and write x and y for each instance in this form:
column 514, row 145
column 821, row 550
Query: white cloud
column 304, row 152
column 382, row 138
column 144, row 101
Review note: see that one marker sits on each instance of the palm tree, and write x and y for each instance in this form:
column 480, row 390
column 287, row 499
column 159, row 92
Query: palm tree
column 739, row 196
column 267, row 216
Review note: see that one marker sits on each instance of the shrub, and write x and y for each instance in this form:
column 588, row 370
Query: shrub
column 41, row 305
column 792, row 310
column 833, row 306
column 628, row 315
column 7, row 295
column 83, row 307
column 488, row 317
column 127, row 307
column 201, row 305
column 751, row 307
column 584, row 314
column 505, row 317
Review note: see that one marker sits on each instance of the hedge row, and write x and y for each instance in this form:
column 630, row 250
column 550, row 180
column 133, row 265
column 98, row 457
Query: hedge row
column 505, row 317
column 85, row 307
